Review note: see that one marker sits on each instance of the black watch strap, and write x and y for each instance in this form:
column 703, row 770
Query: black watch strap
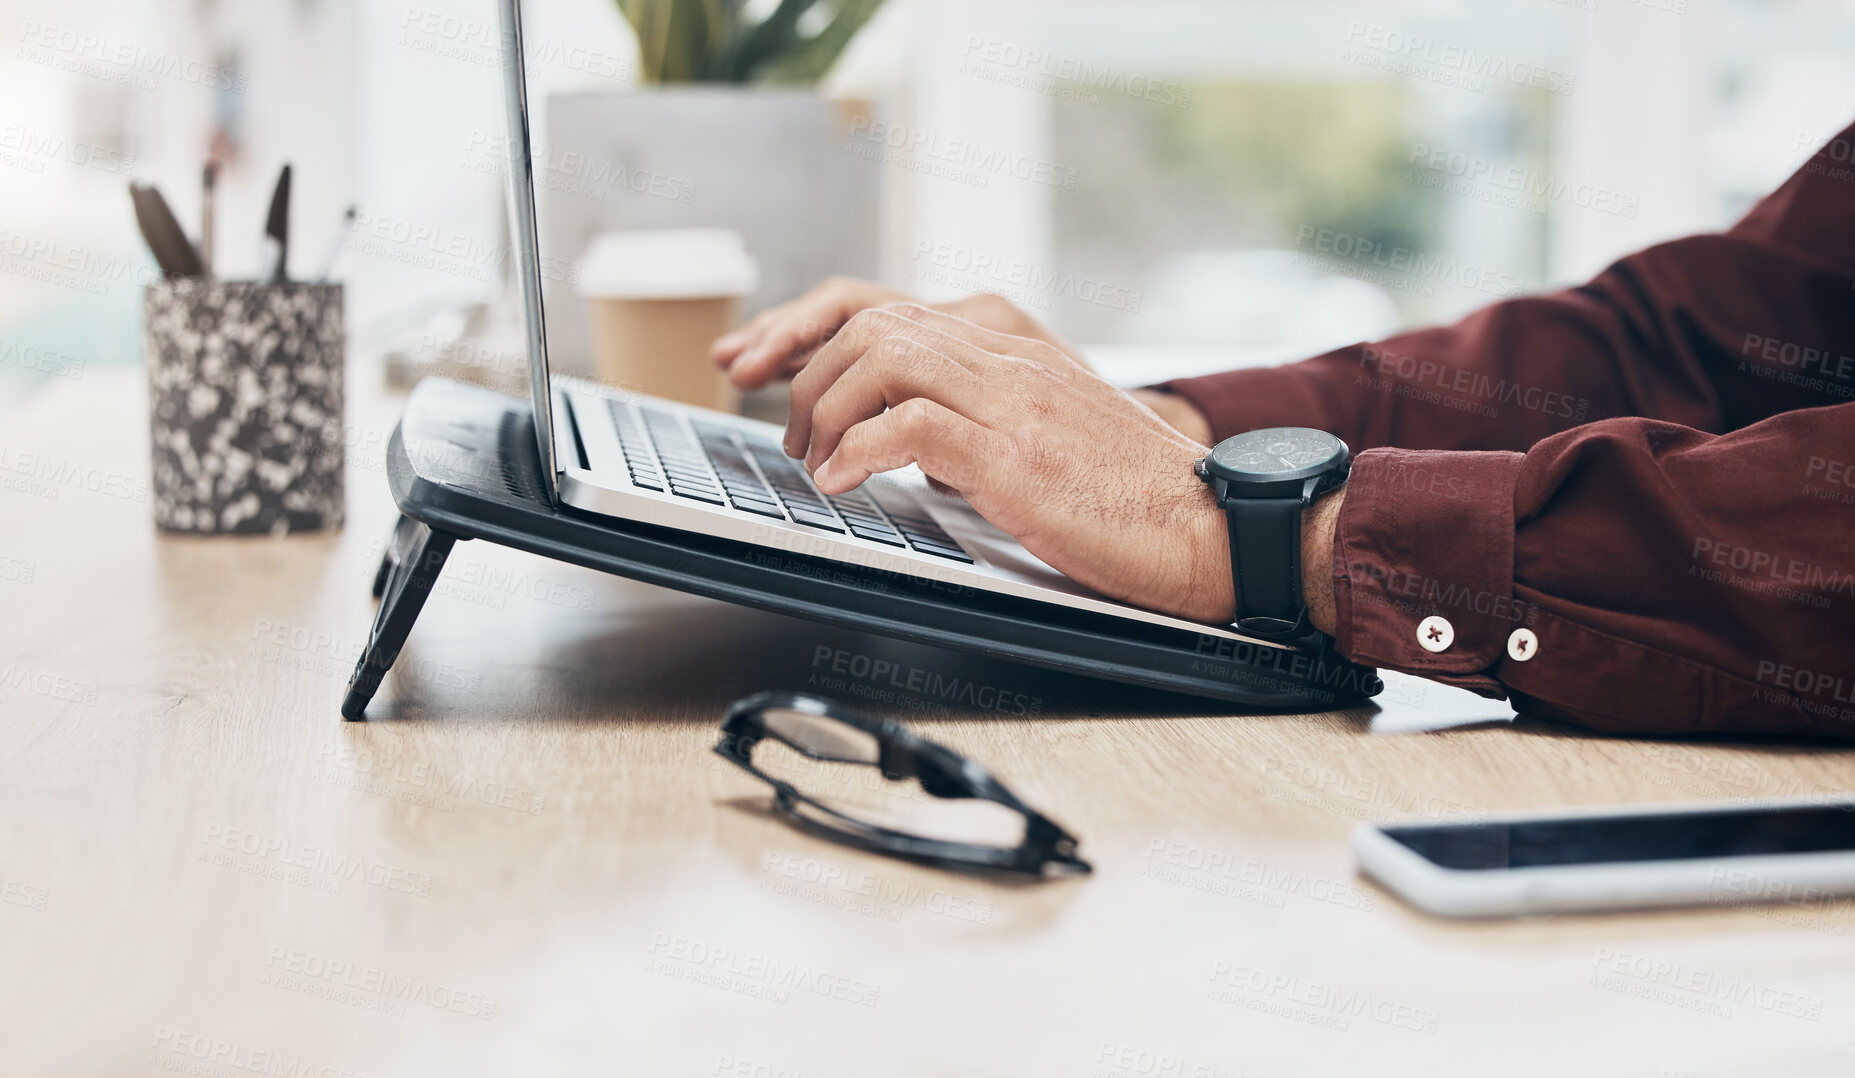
column 1265, row 535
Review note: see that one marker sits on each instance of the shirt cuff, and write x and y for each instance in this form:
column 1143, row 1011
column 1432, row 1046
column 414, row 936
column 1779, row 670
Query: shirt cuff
column 1239, row 401
column 1423, row 564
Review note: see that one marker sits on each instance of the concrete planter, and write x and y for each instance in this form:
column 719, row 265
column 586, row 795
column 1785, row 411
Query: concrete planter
column 780, row 167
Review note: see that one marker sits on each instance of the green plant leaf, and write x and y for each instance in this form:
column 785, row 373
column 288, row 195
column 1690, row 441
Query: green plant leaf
column 645, row 17
column 812, row 58
column 676, row 38
column 712, row 41
column 776, row 34
column 695, row 27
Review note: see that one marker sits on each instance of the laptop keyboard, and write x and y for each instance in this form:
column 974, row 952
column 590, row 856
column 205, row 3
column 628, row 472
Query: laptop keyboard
column 723, row 466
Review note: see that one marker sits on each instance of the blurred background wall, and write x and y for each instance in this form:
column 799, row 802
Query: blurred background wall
column 1175, row 184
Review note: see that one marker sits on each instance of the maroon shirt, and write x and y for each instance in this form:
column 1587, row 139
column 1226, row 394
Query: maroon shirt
column 1653, row 474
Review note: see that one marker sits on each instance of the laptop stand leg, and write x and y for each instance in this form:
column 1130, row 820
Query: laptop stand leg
column 407, row 573
column 402, row 535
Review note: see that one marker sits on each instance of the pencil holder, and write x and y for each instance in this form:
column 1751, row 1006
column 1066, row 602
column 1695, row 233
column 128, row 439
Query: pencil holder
column 245, row 405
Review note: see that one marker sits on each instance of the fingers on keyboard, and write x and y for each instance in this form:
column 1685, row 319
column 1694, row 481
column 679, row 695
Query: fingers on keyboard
column 660, row 452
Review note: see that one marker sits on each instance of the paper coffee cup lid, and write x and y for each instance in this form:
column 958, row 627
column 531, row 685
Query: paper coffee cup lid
column 684, row 263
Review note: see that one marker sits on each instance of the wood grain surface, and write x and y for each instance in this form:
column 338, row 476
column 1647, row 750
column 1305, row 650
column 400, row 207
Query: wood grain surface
column 529, row 862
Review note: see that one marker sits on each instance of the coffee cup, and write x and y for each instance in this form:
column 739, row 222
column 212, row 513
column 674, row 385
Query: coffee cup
column 658, row 300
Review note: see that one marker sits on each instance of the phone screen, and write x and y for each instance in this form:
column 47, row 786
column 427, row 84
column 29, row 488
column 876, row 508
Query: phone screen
column 1736, row 832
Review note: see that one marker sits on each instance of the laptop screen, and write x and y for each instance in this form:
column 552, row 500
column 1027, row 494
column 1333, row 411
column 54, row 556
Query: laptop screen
column 526, row 239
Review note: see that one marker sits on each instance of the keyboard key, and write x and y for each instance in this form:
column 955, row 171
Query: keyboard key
column 817, row 520
column 712, row 497
column 810, row 511
column 877, row 534
column 793, row 488
column 663, row 453
column 943, row 552
column 928, row 542
column 929, row 534
column 730, row 463
column 765, row 509
column 747, row 487
column 769, row 457
column 925, row 541
column 788, row 485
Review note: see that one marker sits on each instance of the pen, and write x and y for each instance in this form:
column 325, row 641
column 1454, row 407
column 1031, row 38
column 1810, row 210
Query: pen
column 335, row 246
column 277, row 226
column 172, row 251
column 207, row 176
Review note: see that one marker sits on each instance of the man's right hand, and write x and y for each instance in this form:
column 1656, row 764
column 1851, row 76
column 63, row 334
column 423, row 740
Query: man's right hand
column 778, row 342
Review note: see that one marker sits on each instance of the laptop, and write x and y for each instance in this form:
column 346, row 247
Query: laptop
column 623, row 455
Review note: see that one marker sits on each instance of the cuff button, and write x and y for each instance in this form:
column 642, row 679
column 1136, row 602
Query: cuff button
column 1522, row 645
column 1435, row 634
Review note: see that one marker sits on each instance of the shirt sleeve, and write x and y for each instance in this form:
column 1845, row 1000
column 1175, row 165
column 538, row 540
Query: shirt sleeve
column 1629, row 505
column 1631, row 575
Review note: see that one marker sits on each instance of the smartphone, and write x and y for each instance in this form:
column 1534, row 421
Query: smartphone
column 1795, row 851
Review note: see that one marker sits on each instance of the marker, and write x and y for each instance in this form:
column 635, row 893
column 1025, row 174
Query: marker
column 207, row 176
column 277, row 226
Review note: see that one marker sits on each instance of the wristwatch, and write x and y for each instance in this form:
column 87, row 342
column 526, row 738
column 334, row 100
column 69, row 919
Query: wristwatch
column 1263, row 480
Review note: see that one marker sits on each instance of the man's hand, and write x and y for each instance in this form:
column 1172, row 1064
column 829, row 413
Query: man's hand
column 1088, row 479
column 780, row 341
column 1176, row 410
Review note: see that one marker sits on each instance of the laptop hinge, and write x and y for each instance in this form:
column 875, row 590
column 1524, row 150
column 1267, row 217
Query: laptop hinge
column 573, row 431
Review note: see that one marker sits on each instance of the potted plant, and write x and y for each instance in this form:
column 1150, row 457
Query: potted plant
column 717, row 40
column 724, row 129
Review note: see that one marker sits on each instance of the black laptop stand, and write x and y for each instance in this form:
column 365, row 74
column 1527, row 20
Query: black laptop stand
column 462, row 464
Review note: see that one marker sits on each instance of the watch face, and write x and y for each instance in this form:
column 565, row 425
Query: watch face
column 1276, row 452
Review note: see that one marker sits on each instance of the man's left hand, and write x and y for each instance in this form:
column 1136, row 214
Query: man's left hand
column 1087, row 478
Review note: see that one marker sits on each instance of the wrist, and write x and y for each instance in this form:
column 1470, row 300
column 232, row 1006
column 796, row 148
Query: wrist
column 1318, row 523
column 1211, row 597
column 1180, row 414
column 1212, row 594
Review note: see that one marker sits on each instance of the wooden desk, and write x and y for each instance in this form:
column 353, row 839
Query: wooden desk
column 530, row 863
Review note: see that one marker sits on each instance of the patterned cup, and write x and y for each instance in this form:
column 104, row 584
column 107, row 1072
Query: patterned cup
column 245, row 398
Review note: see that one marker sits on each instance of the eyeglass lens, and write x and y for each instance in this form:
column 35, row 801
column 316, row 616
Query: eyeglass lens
column 840, row 772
